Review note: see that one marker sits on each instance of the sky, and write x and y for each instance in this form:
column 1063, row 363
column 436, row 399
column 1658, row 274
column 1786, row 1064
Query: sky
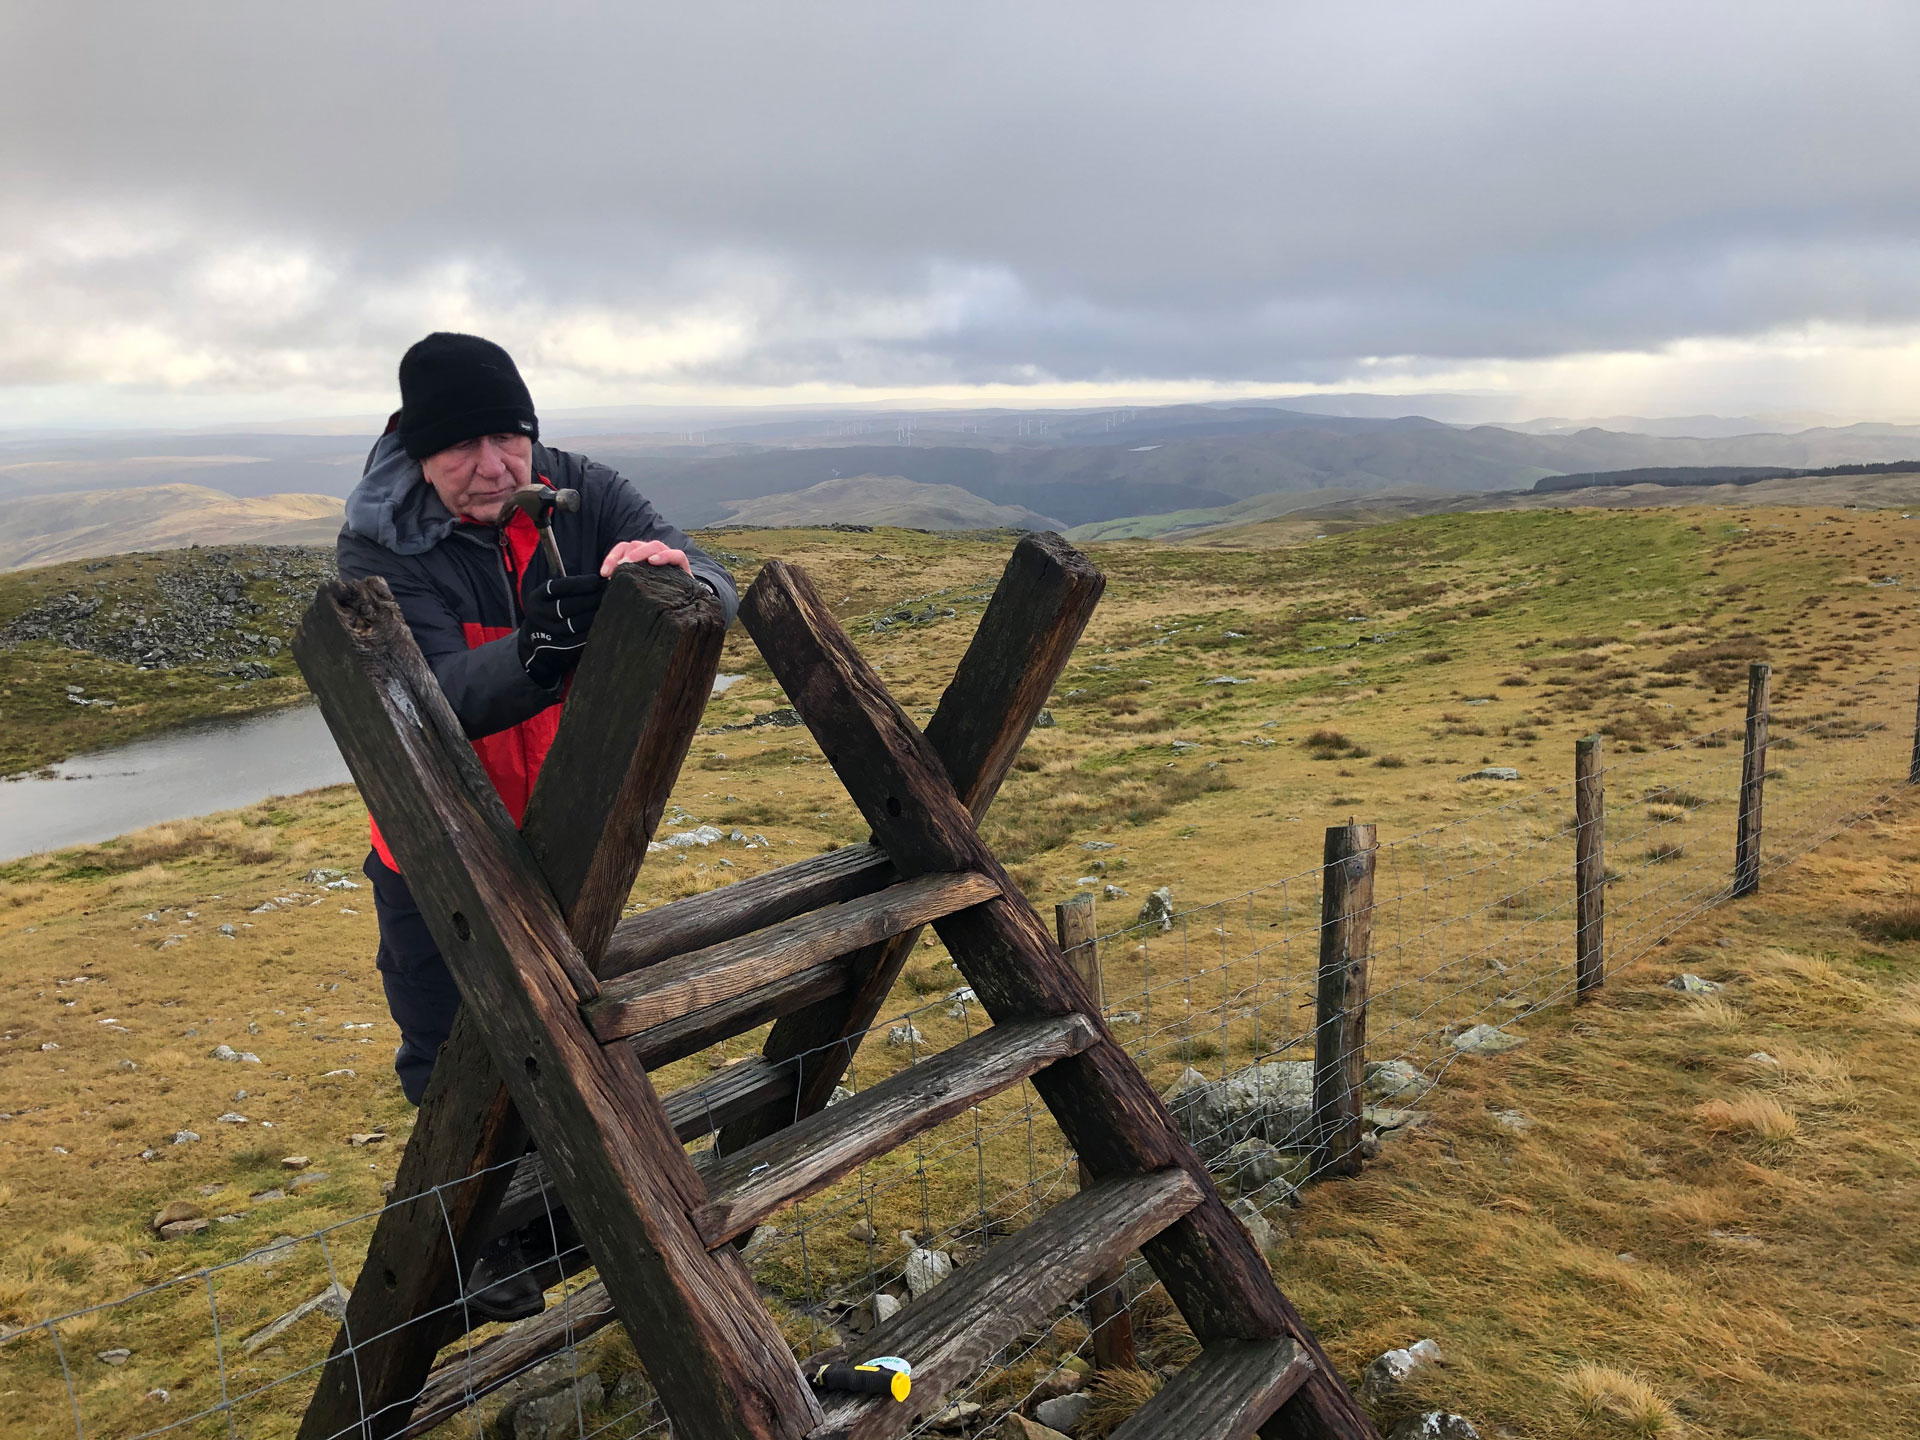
column 220, row 212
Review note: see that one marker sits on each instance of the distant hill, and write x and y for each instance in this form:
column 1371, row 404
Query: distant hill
column 46, row 528
column 886, row 500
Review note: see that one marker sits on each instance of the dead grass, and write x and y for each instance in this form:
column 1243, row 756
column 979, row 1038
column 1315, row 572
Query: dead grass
column 1620, row 1399
column 1753, row 1113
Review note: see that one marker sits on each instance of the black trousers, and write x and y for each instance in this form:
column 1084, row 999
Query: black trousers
column 421, row 994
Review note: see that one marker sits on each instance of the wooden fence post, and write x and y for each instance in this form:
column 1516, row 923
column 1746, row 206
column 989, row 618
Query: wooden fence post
column 1913, row 765
column 1340, row 1018
column 1107, row 1312
column 1589, row 867
column 1753, row 779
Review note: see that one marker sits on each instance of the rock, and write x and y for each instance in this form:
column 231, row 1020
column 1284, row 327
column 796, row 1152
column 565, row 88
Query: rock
column 1044, row 720
column 1271, row 1102
column 1112, row 892
column 312, row 1177
column 1517, row 1121
column 184, row 1137
column 1257, row 1224
column 118, row 1356
column 840, row 1093
column 926, row 1269
column 1124, row 1017
column 174, row 1213
column 861, row 1233
column 1158, row 911
column 294, row 1162
column 901, row 1035
column 1693, row 985
column 371, row 1137
column 1253, row 1165
column 1391, row 1370
column 231, row 1055
column 331, row 1302
column 1760, row 1057
column 1486, row 1040
column 1493, row 772
column 1096, row 844
column 1015, row 1426
column 157, row 1395
column 1064, row 1412
column 281, row 1247
column 1395, row 1080
column 631, row 1393
column 877, row 1310
column 232, row 1117
column 264, row 1197
column 126, row 1067
column 683, row 839
column 1060, row 1382
column 957, row 1416
column 557, row 1416
column 180, row 1229
column 1434, row 1425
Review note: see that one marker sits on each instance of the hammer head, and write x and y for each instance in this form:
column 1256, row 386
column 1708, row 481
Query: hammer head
column 540, row 501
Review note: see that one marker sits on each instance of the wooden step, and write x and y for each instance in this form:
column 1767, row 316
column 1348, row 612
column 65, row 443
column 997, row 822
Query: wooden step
column 471, row 1372
column 750, row 904
column 733, row 970
column 746, row 1187
column 1228, row 1393
column 951, row 1334
column 695, row 1110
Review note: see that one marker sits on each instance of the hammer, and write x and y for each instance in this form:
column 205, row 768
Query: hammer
column 540, row 501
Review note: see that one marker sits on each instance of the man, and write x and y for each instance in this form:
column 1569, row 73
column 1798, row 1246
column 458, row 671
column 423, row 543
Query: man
column 501, row 633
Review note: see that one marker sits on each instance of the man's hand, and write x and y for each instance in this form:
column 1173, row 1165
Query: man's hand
column 559, row 613
column 643, row 552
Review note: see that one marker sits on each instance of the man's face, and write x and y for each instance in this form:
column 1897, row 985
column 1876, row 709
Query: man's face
column 475, row 477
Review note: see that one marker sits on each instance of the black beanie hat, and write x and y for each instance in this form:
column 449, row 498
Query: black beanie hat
column 454, row 387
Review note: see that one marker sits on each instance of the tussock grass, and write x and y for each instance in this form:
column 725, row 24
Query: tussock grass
column 1898, row 922
column 1712, row 1011
column 1663, row 852
column 1116, row 1395
column 1621, row 1400
column 1753, row 1114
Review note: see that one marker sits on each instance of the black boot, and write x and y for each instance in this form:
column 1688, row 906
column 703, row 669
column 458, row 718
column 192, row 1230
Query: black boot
column 502, row 1285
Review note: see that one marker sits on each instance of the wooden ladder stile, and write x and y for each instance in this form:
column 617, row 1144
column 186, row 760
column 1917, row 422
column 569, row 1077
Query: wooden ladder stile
column 569, row 1006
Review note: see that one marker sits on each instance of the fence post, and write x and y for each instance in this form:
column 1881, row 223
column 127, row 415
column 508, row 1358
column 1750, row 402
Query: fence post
column 1107, row 1313
column 1589, row 867
column 1340, row 1012
column 1913, row 765
column 1753, row 779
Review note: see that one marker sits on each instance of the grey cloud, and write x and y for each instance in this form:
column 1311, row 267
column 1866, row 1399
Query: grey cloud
column 897, row 194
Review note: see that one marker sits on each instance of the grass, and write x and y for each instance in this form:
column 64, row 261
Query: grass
column 1504, row 1246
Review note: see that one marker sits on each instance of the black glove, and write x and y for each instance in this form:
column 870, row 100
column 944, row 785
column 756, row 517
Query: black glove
column 559, row 613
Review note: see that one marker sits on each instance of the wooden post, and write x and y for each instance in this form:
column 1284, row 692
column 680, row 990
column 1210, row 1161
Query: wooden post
column 1753, row 779
column 1340, row 1028
column 1913, row 765
column 1107, row 1313
column 1589, row 867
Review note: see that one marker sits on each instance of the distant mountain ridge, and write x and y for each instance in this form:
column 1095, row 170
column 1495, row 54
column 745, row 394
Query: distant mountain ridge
column 84, row 526
column 887, row 500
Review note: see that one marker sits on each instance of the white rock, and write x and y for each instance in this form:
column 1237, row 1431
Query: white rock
column 1391, row 1370
column 1486, row 1040
column 926, row 1269
column 1434, row 1425
column 1693, row 985
column 1158, row 909
column 902, row 1035
column 1064, row 1412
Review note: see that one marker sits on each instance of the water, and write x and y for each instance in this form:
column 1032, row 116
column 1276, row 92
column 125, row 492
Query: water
column 194, row 771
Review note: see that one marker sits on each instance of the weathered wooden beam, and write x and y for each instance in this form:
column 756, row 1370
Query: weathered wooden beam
column 1227, row 1393
column 693, row 1110
column 1107, row 1314
column 952, row 1332
column 688, row 984
column 1753, row 781
column 466, row 1376
column 750, row 904
column 747, row 1186
column 1340, row 1000
column 712, row 1351
column 1589, row 868
column 1103, row 1104
column 1045, row 597
column 631, row 712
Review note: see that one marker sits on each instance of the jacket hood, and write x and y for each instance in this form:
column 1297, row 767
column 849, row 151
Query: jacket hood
column 393, row 505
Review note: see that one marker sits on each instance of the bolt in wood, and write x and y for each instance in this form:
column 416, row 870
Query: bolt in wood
column 1589, row 866
column 1107, row 1312
column 1340, row 1029
column 1753, row 779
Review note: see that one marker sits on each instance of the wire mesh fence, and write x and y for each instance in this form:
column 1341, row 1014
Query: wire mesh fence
column 1472, row 929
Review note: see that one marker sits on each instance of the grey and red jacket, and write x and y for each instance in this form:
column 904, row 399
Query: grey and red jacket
column 459, row 584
